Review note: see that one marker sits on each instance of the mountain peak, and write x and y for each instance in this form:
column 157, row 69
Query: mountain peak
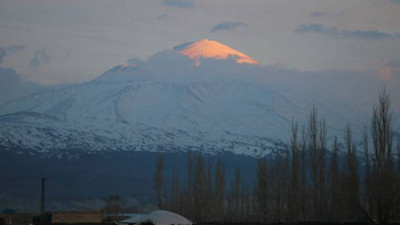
column 212, row 49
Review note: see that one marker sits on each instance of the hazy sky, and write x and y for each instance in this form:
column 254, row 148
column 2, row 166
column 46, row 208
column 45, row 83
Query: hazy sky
column 66, row 41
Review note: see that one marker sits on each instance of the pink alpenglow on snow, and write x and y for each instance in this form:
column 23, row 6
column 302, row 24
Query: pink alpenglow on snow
column 213, row 49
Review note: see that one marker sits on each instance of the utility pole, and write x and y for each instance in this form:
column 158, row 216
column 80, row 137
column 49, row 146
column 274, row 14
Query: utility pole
column 42, row 199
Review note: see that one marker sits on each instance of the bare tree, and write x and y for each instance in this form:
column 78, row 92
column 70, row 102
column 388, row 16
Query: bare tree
column 321, row 170
column 294, row 182
column 312, row 148
column 350, row 180
column 283, row 192
column 245, row 203
column 398, row 177
column 209, row 196
column 174, row 204
column 159, row 181
column 303, row 169
column 190, row 171
column 334, row 188
column 219, row 189
column 367, row 202
column 280, row 184
column 262, row 188
column 200, row 190
column 237, row 193
column 384, row 186
column 113, row 204
column 189, row 200
column 316, row 149
column 398, row 155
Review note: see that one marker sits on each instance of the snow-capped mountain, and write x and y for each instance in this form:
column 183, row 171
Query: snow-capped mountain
column 172, row 102
column 212, row 49
column 221, row 115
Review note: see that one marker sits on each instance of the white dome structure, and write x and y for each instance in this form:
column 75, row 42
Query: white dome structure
column 159, row 217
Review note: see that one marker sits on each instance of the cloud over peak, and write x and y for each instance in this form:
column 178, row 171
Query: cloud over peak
column 388, row 69
column 368, row 35
column 10, row 50
column 39, row 58
column 228, row 25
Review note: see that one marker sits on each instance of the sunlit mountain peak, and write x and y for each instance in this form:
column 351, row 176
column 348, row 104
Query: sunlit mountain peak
column 212, row 49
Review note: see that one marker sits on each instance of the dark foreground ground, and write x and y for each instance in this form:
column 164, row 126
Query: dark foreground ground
column 84, row 183
column 35, row 219
column 300, row 223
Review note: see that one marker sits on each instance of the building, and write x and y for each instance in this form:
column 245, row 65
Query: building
column 16, row 219
column 78, row 217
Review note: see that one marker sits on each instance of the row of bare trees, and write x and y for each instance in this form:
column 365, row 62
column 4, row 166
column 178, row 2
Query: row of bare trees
column 347, row 181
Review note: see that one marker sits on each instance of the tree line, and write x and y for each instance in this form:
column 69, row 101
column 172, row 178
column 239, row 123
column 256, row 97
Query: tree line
column 312, row 180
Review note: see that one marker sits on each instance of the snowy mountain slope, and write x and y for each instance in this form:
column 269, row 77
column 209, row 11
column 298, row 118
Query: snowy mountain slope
column 167, row 104
column 125, row 116
column 236, row 116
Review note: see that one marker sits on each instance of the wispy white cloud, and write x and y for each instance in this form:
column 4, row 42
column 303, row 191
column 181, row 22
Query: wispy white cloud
column 318, row 14
column 14, row 48
column 183, row 4
column 161, row 17
column 368, row 35
column 388, row 69
column 12, row 86
column 39, row 58
column 9, row 50
column 228, row 25
column 324, row 14
column 87, row 39
column 3, row 54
